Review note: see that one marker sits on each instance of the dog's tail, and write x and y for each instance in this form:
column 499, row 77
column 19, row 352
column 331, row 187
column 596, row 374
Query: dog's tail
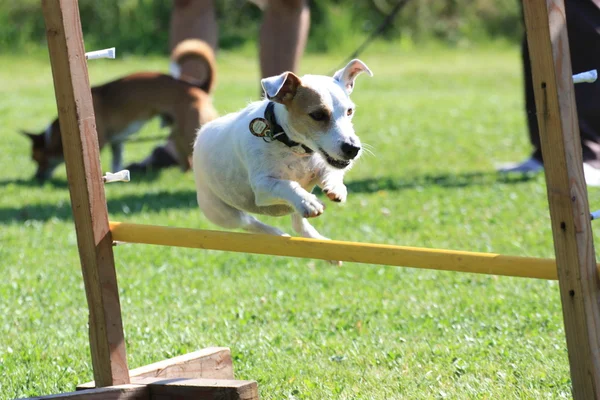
column 194, row 49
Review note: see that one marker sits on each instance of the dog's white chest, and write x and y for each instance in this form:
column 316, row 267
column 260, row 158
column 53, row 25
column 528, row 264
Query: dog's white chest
column 288, row 165
column 301, row 170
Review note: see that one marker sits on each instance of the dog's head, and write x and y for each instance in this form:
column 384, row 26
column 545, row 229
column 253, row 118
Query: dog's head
column 319, row 111
column 44, row 151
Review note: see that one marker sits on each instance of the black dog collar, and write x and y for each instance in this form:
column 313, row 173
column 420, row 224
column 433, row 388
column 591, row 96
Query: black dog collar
column 277, row 132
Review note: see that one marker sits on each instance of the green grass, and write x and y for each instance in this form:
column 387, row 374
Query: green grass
column 439, row 121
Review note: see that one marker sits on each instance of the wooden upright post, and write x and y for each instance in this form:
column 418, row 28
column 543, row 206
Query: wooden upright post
column 80, row 144
column 567, row 193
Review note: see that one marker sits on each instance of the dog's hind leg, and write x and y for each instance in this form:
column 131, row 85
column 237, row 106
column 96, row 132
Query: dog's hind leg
column 228, row 217
column 304, row 228
column 253, row 225
column 117, row 155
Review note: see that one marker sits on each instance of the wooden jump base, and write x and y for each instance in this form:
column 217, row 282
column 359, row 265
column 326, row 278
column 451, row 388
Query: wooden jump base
column 399, row 256
column 166, row 389
column 209, row 373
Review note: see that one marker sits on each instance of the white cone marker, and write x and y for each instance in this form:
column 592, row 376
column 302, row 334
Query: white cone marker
column 106, row 53
column 589, row 76
column 121, row 176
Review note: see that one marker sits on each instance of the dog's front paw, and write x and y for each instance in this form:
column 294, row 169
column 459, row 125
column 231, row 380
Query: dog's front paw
column 310, row 207
column 336, row 192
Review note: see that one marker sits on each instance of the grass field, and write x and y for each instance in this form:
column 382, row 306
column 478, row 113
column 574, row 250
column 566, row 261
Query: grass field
column 438, row 120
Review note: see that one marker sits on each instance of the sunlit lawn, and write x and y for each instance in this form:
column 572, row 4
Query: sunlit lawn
column 439, row 122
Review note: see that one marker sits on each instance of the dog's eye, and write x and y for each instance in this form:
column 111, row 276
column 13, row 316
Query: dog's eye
column 350, row 112
column 318, row 115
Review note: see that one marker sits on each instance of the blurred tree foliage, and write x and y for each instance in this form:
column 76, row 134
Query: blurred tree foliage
column 142, row 26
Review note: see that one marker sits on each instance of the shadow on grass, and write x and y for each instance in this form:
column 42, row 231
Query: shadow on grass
column 186, row 199
column 149, row 176
column 56, row 183
column 459, row 180
column 125, row 205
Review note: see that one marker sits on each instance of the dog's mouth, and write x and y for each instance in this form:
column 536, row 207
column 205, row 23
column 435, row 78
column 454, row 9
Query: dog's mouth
column 339, row 164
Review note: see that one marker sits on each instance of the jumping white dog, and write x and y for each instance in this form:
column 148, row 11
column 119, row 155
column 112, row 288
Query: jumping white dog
column 268, row 157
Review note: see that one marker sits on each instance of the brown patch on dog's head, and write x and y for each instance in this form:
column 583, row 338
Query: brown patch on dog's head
column 309, row 114
column 281, row 88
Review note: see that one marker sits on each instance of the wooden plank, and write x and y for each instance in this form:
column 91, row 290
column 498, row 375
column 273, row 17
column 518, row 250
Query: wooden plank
column 567, row 191
column 445, row 260
column 211, row 362
column 202, row 389
column 122, row 392
column 80, row 144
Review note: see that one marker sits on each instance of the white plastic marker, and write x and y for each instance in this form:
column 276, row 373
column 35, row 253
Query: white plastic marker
column 588, row 76
column 121, row 176
column 106, row 53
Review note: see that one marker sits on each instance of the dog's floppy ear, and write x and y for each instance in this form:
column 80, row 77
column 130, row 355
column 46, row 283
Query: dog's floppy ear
column 348, row 74
column 28, row 134
column 37, row 139
column 281, row 88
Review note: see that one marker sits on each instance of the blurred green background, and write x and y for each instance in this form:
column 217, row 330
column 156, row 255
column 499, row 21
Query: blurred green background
column 142, row 26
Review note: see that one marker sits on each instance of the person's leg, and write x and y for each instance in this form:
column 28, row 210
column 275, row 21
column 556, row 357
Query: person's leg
column 530, row 110
column 283, row 35
column 193, row 19
column 533, row 163
column 583, row 25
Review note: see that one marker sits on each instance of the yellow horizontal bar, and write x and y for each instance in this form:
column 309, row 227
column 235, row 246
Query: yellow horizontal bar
column 445, row 260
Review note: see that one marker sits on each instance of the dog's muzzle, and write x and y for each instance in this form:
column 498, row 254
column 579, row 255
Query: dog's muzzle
column 350, row 150
column 334, row 162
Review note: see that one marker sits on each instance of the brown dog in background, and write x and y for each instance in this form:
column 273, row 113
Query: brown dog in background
column 124, row 105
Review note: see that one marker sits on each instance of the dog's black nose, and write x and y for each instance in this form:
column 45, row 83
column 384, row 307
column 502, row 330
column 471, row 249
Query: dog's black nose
column 350, row 150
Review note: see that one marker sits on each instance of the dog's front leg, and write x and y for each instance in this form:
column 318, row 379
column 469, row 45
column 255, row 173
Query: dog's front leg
column 332, row 184
column 270, row 191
